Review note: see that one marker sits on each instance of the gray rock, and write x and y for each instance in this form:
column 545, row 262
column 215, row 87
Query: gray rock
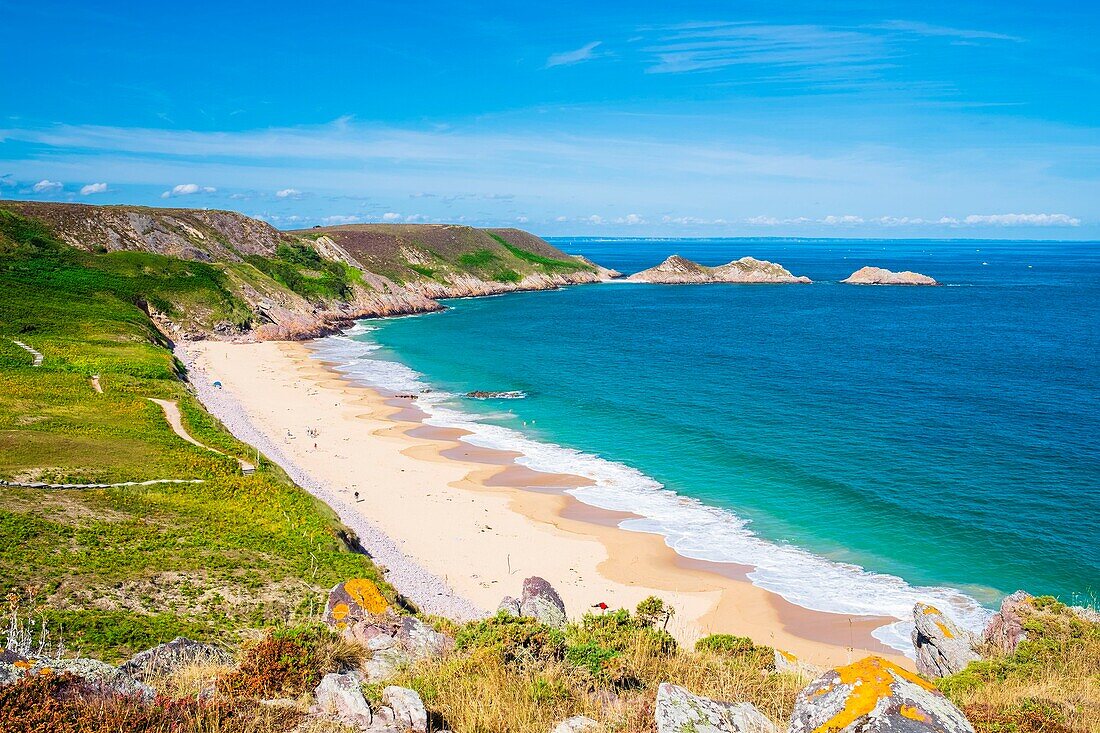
column 576, row 724
column 678, row 711
column 875, row 696
column 408, row 709
column 1005, row 629
column 509, row 606
column 167, row 658
column 341, row 696
column 98, row 674
column 942, row 647
column 540, row 601
column 787, row 663
column 396, row 642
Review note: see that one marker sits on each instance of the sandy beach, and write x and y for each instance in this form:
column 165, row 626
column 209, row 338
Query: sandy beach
column 458, row 526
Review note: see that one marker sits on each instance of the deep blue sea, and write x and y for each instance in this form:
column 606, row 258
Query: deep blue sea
column 861, row 447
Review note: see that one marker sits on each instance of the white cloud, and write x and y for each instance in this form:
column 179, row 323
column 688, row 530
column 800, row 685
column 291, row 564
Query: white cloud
column 1035, row 220
column 93, row 188
column 521, row 219
column 561, row 218
column 584, row 53
column 594, row 219
column 391, row 216
column 339, row 219
column 47, row 186
column 846, row 220
column 630, row 219
column 287, row 193
column 187, row 189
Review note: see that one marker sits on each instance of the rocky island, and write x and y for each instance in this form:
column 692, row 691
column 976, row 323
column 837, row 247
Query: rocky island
column 677, row 270
column 880, row 276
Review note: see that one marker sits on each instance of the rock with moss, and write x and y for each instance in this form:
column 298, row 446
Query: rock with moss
column 882, row 276
column 942, row 648
column 1005, row 629
column 679, row 711
column 540, row 601
column 352, row 602
column 164, row 659
column 875, row 695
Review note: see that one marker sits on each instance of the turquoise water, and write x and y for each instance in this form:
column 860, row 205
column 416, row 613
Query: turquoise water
column 861, row 447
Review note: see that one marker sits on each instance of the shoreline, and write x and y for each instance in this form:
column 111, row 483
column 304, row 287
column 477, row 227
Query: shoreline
column 458, row 527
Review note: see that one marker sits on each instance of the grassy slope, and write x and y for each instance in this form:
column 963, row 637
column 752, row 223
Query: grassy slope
column 441, row 252
column 126, row 568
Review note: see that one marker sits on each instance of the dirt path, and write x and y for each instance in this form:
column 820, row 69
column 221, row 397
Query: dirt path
column 172, row 414
column 37, row 354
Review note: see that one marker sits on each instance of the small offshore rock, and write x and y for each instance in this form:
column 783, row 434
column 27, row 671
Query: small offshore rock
column 353, row 601
column 881, row 276
column 576, row 724
column 341, row 696
column 408, row 709
column 677, row 270
column 942, row 647
column 679, row 711
column 1005, row 629
column 164, row 659
column 875, row 696
column 540, row 601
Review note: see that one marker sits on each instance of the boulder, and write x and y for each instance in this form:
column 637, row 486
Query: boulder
column 576, row 724
column 396, row 642
column 96, row 674
column 678, row 711
column 166, row 658
column 341, row 696
column 408, row 709
column 1005, row 629
column 353, row 601
column 540, row 601
column 509, row 606
column 942, row 647
column 875, row 696
column 881, row 276
column 787, row 663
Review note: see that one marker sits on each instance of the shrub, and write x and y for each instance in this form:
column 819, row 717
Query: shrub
column 514, row 638
column 289, row 662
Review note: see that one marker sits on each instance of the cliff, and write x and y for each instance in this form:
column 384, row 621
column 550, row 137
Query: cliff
column 677, row 270
column 880, row 276
column 293, row 285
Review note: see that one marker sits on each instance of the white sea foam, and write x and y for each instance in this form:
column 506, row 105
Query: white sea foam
column 689, row 527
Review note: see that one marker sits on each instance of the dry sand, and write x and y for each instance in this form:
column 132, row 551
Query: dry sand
column 458, row 526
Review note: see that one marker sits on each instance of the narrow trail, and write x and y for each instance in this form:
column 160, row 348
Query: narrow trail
column 41, row 485
column 37, row 354
column 172, row 414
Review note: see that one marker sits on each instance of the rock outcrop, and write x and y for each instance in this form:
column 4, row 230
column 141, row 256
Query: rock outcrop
column 1005, row 629
column 353, row 601
column 677, row 270
column 164, row 659
column 96, row 675
column 942, row 647
column 395, row 642
column 679, row 711
column 539, row 600
column 408, row 709
column 340, row 697
column 874, row 696
column 880, row 276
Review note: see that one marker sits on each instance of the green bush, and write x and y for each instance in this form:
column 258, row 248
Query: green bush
column 514, row 638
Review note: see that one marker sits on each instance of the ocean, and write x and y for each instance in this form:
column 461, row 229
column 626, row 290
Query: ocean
column 860, row 447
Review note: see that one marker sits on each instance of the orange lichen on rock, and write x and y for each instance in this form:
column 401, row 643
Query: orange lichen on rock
column 944, row 630
column 929, row 610
column 871, row 680
column 788, row 656
column 913, row 713
column 366, row 594
column 340, row 611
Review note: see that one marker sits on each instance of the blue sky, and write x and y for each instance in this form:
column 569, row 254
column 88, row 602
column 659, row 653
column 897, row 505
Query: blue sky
column 927, row 119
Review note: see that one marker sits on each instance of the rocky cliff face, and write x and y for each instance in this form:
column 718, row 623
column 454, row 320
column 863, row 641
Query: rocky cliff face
column 677, row 270
column 880, row 276
column 396, row 269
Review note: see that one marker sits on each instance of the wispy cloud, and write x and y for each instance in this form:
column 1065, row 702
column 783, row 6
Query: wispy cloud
column 288, row 193
column 587, row 52
column 919, row 28
column 93, row 188
column 47, row 186
column 1039, row 220
column 187, row 189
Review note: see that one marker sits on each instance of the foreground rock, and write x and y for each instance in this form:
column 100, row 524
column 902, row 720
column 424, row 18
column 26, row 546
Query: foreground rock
column 340, row 697
column 539, row 600
column 874, row 696
column 1005, row 630
column 576, row 724
column 97, row 675
column 880, row 276
column 353, row 601
column 164, row 659
column 408, row 709
column 677, row 270
column 395, row 642
column 942, row 647
column 678, row 711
